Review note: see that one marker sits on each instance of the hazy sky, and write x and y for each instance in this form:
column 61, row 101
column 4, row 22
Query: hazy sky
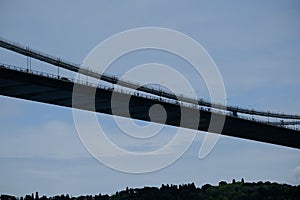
column 255, row 45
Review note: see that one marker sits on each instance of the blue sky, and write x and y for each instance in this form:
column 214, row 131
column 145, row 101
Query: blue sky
column 255, row 45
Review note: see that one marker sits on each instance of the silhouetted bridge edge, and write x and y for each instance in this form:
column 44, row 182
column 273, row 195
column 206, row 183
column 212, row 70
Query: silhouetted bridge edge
column 55, row 91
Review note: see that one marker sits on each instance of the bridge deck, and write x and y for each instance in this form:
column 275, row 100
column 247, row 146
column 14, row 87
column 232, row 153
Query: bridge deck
column 49, row 90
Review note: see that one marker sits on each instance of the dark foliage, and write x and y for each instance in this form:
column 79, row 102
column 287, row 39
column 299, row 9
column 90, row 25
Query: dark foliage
column 234, row 190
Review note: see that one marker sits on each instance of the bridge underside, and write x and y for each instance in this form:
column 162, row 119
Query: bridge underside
column 59, row 92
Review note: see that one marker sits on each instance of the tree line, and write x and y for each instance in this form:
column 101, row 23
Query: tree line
column 224, row 191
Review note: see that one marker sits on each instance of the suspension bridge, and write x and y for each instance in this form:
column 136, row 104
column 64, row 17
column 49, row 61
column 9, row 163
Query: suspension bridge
column 24, row 83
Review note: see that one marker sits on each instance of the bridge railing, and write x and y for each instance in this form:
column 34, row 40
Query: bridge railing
column 24, row 50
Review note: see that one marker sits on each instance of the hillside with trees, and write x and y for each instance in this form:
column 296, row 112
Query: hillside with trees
column 224, row 191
